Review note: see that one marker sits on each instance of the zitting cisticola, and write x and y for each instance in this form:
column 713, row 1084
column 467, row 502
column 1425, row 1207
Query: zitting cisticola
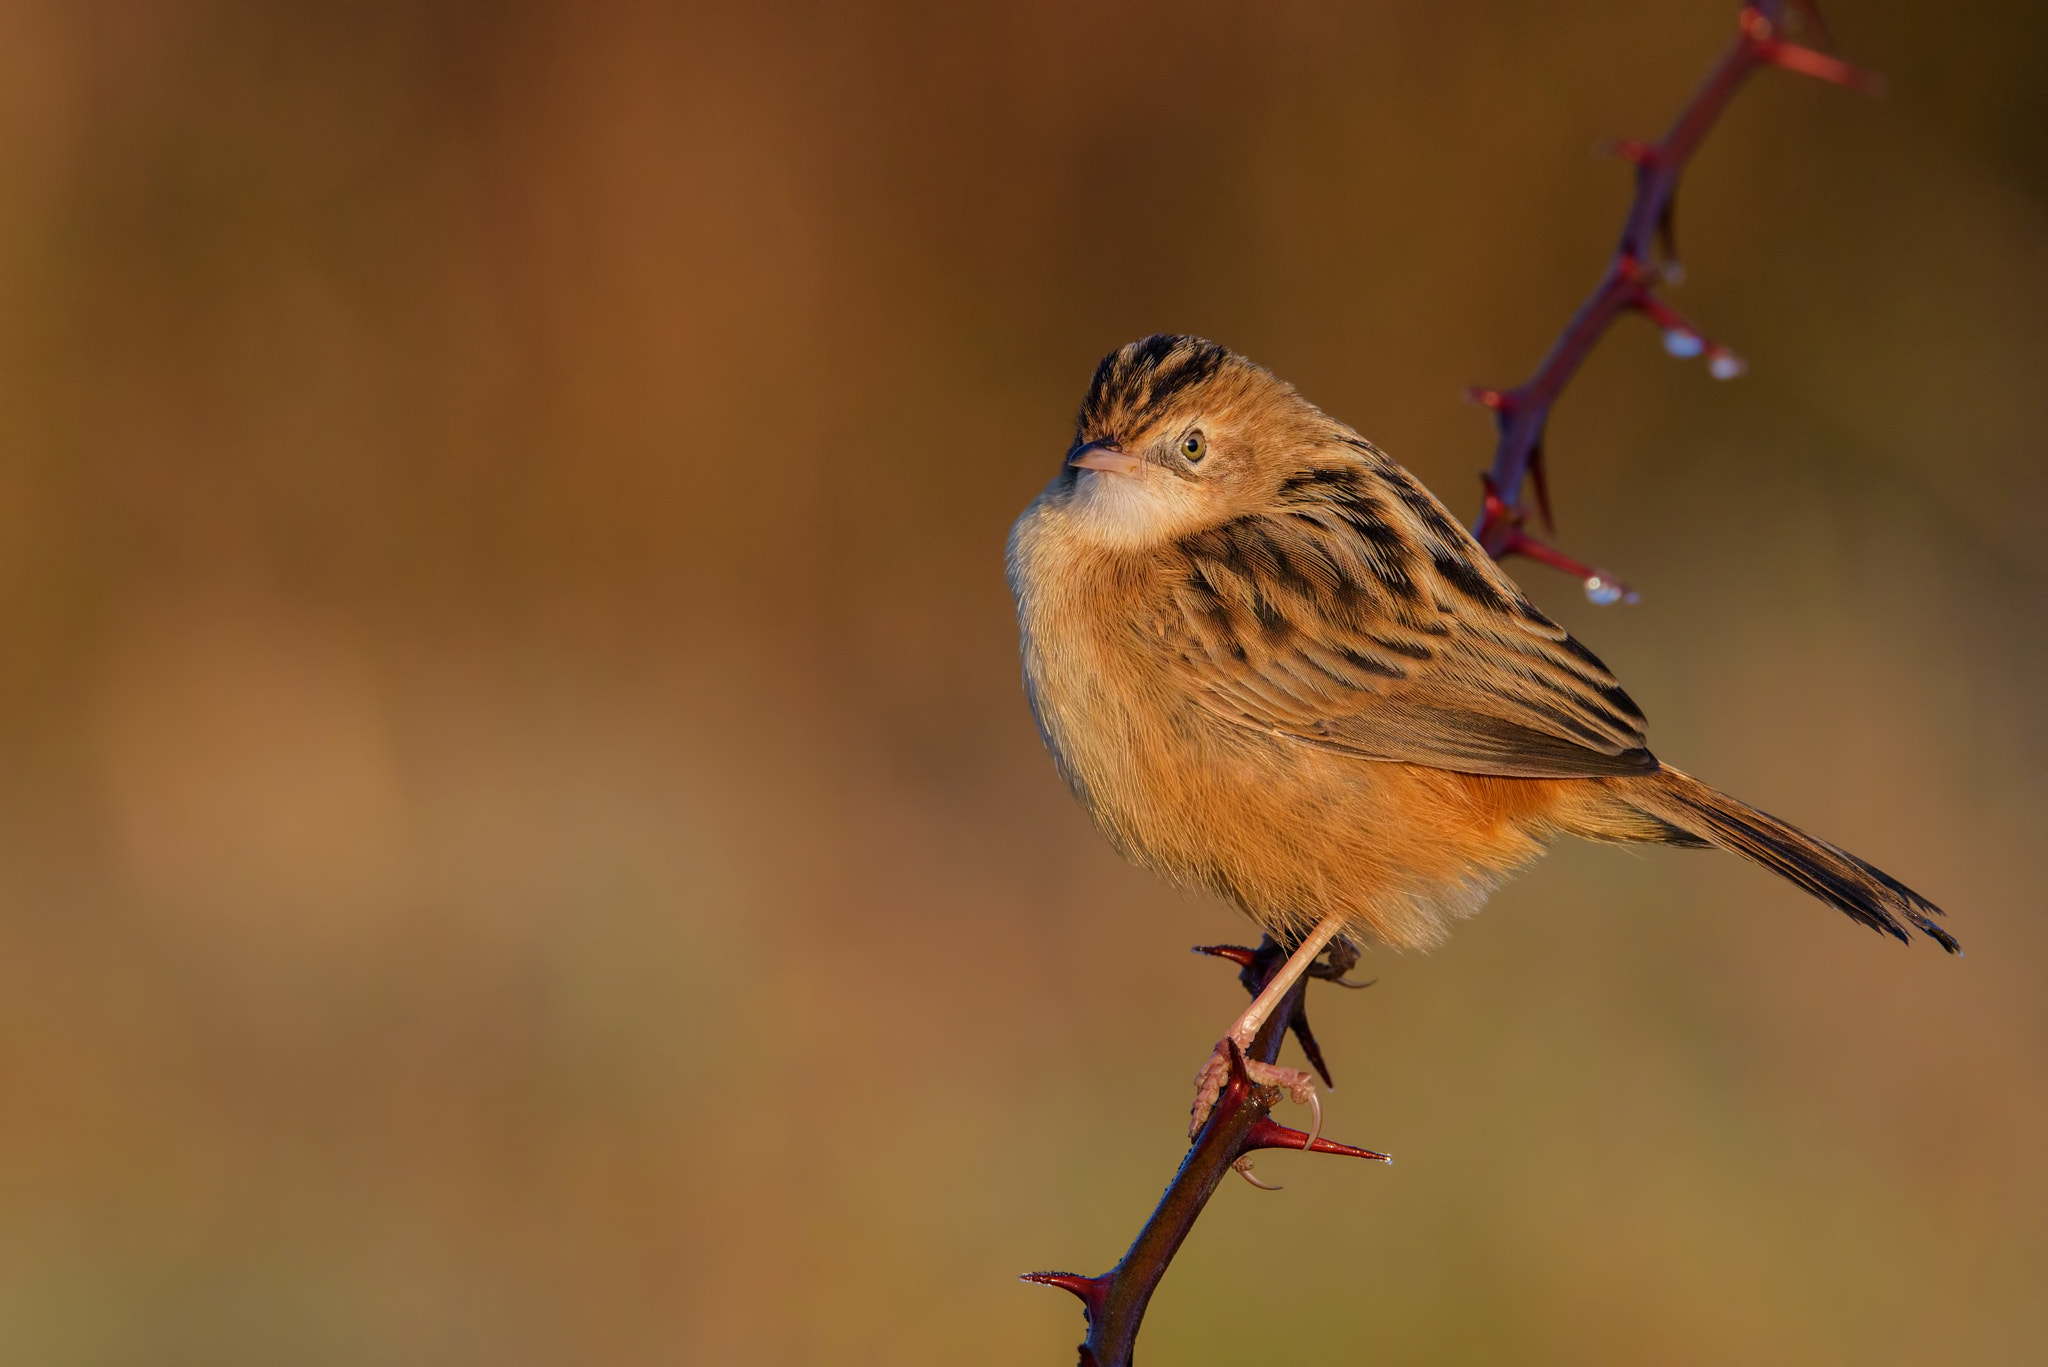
column 1272, row 666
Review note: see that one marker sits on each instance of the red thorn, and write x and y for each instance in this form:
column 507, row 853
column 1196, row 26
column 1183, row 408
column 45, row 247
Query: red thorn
column 1089, row 1289
column 1665, row 316
column 1637, row 151
column 1667, row 239
column 1497, row 521
column 1521, row 543
column 1542, row 483
column 1237, row 954
column 1500, row 532
column 1764, row 42
column 1269, row 1134
column 1808, row 62
column 1307, row 1039
column 1685, row 341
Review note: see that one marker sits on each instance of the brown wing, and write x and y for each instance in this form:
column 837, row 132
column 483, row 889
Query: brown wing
column 1359, row 617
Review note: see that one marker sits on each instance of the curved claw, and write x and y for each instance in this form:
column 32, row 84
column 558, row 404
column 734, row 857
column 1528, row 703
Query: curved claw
column 1346, row 982
column 1315, row 1105
column 1243, row 1168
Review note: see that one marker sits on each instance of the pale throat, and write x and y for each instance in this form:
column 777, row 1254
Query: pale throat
column 1132, row 512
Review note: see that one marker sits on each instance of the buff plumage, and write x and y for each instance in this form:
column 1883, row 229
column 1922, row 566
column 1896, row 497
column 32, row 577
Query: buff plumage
column 1271, row 665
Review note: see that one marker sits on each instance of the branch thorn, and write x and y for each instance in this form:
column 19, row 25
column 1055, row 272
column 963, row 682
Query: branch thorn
column 1683, row 340
column 1271, row 1134
column 1500, row 532
column 1635, row 150
column 1089, row 1289
column 1668, row 268
column 1314, row 1051
column 1763, row 40
column 1539, row 478
column 1237, row 954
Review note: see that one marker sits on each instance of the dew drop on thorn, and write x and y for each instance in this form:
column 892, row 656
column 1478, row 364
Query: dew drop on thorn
column 1726, row 366
column 1602, row 590
column 1683, row 344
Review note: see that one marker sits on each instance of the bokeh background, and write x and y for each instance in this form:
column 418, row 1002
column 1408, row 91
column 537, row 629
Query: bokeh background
column 520, row 839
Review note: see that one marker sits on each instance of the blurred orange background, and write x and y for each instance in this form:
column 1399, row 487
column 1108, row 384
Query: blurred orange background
column 523, row 841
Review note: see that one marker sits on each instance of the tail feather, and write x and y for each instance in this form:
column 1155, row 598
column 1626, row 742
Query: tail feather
column 1832, row 874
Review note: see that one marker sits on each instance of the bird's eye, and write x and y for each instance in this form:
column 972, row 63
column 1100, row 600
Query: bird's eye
column 1194, row 446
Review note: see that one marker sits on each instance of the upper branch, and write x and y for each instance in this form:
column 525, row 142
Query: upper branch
column 1644, row 258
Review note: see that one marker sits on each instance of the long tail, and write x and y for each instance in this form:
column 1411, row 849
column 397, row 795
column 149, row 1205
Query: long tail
column 1699, row 814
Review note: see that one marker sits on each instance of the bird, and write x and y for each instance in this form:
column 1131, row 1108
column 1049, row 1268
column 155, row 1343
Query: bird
column 1273, row 667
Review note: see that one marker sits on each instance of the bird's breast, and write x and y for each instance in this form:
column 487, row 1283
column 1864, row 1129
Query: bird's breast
column 1145, row 757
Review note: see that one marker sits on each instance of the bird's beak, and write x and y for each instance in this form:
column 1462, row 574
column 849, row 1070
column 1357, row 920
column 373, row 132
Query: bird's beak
column 1104, row 456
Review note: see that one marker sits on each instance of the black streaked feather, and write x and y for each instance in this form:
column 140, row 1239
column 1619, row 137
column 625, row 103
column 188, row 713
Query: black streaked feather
column 1136, row 383
column 1357, row 621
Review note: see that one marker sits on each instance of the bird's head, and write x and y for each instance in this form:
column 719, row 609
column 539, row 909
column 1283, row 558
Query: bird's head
column 1178, row 434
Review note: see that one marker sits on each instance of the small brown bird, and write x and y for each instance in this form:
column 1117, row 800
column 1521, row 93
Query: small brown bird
column 1272, row 666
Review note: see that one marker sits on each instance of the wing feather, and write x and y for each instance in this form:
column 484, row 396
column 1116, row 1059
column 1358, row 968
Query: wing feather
column 1359, row 617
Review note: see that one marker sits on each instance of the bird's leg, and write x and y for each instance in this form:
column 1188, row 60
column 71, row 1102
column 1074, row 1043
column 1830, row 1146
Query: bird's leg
column 1297, row 1084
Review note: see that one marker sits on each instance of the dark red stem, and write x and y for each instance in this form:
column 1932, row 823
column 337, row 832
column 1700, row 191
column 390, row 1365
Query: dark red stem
column 1642, row 259
column 1239, row 1124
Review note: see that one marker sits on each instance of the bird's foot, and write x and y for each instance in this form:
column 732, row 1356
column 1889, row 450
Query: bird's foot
column 1299, row 1086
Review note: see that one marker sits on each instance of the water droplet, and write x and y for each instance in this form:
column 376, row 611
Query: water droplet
column 1726, row 365
column 1684, row 344
column 1602, row 590
column 1673, row 273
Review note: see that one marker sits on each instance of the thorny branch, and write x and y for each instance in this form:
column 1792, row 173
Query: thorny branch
column 1646, row 256
column 1238, row 1126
